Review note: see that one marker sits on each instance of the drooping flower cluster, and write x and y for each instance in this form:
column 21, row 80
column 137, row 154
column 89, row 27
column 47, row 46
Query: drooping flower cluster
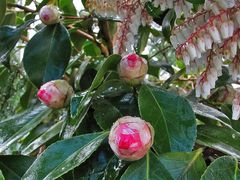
column 131, row 137
column 131, row 13
column 208, row 38
column 179, row 6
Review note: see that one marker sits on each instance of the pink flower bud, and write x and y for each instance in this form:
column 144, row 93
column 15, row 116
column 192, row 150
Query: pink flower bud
column 49, row 14
column 132, row 69
column 130, row 138
column 55, row 94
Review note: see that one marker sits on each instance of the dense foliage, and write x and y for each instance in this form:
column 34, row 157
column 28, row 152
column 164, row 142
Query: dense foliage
column 77, row 76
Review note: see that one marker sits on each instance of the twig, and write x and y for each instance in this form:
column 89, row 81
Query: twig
column 158, row 52
column 103, row 48
column 24, row 8
column 75, row 17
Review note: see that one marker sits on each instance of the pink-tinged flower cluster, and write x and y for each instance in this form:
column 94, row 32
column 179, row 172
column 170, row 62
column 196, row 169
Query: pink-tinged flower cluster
column 180, row 6
column 131, row 13
column 130, row 138
column 104, row 8
column 236, row 106
column 217, row 6
column 224, row 94
column 207, row 39
column 49, row 14
column 234, row 67
column 206, row 81
column 55, row 94
column 132, row 69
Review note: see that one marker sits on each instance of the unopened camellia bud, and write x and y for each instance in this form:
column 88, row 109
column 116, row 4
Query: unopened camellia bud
column 132, row 69
column 55, row 94
column 130, row 138
column 49, row 15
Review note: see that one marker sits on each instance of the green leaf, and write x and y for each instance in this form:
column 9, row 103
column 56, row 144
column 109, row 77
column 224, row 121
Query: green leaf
column 167, row 23
column 9, row 36
column 144, row 35
column 13, row 167
column 67, row 7
column 114, row 168
column 112, row 88
column 222, row 139
column 211, row 113
column 91, row 49
column 171, row 117
column 49, row 50
column 222, row 168
column 63, row 156
column 1, row 176
column 49, row 134
column 196, row 1
column 28, row 2
column 105, row 113
column 10, row 19
column 3, row 5
column 110, row 64
column 153, row 11
column 148, row 168
column 73, row 123
column 18, row 126
column 184, row 165
column 79, row 109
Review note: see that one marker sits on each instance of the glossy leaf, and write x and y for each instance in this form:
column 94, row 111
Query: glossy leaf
column 110, row 64
column 3, row 4
column 167, row 23
column 1, row 176
column 209, row 112
column 49, row 50
column 105, row 113
column 222, row 139
column 73, row 123
column 112, row 88
column 148, row 168
column 18, row 126
column 79, row 109
column 13, row 167
column 9, row 36
column 91, row 49
column 144, row 33
column 196, row 1
column 50, row 133
column 63, row 156
column 184, row 165
column 114, row 168
column 93, row 168
column 67, row 7
column 222, row 168
column 10, row 19
column 171, row 117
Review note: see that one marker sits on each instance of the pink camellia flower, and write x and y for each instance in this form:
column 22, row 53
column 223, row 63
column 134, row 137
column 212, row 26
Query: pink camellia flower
column 55, row 94
column 131, row 137
column 132, row 69
column 49, row 15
